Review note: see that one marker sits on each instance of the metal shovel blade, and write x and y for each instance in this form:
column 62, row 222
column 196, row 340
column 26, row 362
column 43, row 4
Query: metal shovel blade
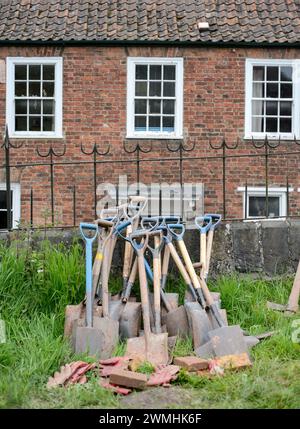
column 199, row 323
column 72, row 313
column 99, row 340
column 156, row 352
column 130, row 321
column 177, row 322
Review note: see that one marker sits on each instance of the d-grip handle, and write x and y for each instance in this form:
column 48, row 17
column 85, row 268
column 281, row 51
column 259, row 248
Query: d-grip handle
column 90, row 227
column 216, row 220
column 203, row 223
column 152, row 221
column 173, row 228
column 139, row 246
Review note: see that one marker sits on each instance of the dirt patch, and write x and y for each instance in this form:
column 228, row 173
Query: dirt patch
column 158, row 397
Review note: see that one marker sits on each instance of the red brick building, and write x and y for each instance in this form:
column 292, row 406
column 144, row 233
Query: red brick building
column 161, row 74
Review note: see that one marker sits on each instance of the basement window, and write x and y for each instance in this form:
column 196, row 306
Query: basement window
column 255, row 202
column 34, row 97
column 154, row 97
column 272, row 99
column 15, row 205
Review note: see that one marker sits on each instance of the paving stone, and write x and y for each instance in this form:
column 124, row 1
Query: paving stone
column 191, row 363
column 135, row 380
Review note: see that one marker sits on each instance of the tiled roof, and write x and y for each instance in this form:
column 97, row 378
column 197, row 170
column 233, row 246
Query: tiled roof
column 151, row 20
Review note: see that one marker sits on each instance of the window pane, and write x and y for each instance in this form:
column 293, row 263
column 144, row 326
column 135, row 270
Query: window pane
column 141, row 89
column 48, row 123
column 35, row 123
column 48, row 89
column 154, row 106
column 258, row 90
column 271, row 108
column 168, row 107
column 272, row 90
column 48, row 106
column 285, row 125
column 154, row 123
column 140, row 106
column 286, row 74
column 257, row 206
column 169, row 89
column 21, row 123
column 169, row 72
column 34, row 106
column 286, row 108
column 3, row 220
column 271, row 125
column 48, row 72
column 34, row 72
column 21, row 107
column 141, row 72
column 258, row 107
column 34, row 89
column 3, row 204
column 20, row 89
column 155, row 89
column 20, row 72
column 286, row 90
column 155, row 72
column 258, row 73
column 168, row 123
column 257, row 125
column 140, row 123
column 272, row 73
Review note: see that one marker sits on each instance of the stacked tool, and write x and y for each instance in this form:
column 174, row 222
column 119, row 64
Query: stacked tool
column 151, row 243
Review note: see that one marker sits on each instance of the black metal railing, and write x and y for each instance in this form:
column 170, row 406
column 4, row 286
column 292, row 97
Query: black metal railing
column 136, row 155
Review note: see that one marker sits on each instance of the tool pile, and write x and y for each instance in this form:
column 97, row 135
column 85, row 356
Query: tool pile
column 96, row 325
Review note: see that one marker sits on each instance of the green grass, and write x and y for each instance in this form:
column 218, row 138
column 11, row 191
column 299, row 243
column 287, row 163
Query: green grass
column 35, row 287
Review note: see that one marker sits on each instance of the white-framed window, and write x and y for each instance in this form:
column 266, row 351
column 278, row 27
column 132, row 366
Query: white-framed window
column 34, row 97
column 254, row 203
column 272, row 104
column 154, row 97
column 15, row 190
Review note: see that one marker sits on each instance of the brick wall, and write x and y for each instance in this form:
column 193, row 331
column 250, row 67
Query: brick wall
column 94, row 106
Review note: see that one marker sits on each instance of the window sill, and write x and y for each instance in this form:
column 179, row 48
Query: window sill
column 270, row 136
column 154, row 136
column 36, row 136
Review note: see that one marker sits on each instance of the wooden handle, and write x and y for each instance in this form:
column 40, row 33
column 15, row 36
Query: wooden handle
column 144, row 299
column 166, row 260
column 156, row 292
column 189, row 265
column 127, row 254
column 209, row 244
column 157, row 241
column 203, row 253
column 104, row 277
column 179, row 263
column 293, row 302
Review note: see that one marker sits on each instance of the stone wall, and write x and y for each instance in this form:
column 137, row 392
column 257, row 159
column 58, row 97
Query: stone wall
column 267, row 247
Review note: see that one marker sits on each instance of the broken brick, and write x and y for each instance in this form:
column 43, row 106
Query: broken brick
column 126, row 378
column 234, row 361
column 163, row 375
column 191, row 363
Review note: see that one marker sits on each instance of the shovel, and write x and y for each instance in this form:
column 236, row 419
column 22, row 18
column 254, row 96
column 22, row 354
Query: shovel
column 293, row 302
column 99, row 336
column 150, row 347
column 203, row 223
column 216, row 220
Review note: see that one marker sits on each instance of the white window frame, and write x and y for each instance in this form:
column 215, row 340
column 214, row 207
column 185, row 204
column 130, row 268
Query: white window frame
column 178, row 125
column 58, row 95
column 260, row 191
column 250, row 62
column 16, row 202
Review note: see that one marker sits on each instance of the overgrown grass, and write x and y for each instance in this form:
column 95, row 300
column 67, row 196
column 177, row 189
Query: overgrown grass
column 35, row 287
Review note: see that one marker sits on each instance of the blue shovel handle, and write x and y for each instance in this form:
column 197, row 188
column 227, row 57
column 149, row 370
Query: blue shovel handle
column 216, row 220
column 88, row 267
column 174, row 227
column 203, row 223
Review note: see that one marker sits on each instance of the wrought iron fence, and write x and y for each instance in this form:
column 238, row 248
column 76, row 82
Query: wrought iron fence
column 137, row 155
